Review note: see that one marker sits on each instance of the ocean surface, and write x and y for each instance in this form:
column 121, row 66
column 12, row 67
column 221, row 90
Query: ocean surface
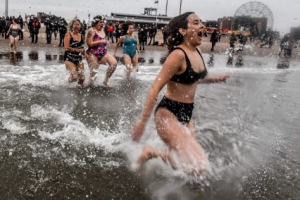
column 58, row 141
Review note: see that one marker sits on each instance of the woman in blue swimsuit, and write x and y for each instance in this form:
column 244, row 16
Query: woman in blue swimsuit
column 130, row 48
column 182, row 71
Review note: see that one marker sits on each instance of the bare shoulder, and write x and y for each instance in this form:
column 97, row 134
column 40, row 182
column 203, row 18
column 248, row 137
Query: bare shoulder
column 90, row 32
column 176, row 55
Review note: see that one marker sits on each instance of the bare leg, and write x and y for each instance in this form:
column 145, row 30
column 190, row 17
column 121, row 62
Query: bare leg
column 73, row 72
column 11, row 42
column 188, row 154
column 16, row 40
column 80, row 73
column 128, row 65
column 93, row 65
column 112, row 65
column 135, row 62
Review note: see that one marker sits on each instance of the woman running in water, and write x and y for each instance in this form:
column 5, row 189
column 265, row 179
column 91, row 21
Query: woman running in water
column 130, row 48
column 13, row 33
column 97, row 50
column 182, row 71
column 73, row 43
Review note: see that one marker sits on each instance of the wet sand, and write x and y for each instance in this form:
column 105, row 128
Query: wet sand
column 250, row 48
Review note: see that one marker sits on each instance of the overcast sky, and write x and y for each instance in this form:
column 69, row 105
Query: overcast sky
column 285, row 12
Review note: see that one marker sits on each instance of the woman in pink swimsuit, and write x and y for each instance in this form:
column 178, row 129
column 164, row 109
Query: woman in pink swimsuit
column 97, row 50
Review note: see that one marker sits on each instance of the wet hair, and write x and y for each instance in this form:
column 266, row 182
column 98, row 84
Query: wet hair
column 125, row 26
column 96, row 19
column 174, row 36
column 70, row 26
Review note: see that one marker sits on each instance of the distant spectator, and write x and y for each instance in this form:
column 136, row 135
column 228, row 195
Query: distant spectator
column 48, row 26
column 21, row 23
column 214, row 38
column 232, row 40
column 83, row 28
column 142, row 35
column 36, row 25
column 118, row 31
column 165, row 34
column 152, row 33
column 7, row 25
column 55, row 28
column 62, row 29
column 2, row 26
column 110, row 32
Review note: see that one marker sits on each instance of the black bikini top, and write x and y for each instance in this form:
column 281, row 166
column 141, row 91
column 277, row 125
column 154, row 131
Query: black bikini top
column 189, row 76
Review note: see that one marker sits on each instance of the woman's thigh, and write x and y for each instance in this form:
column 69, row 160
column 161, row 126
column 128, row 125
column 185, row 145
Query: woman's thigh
column 11, row 39
column 135, row 61
column 171, row 131
column 108, row 59
column 70, row 66
column 127, row 60
column 92, row 60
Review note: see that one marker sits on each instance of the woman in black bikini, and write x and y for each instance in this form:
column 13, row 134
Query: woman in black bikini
column 13, row 32
column 182, row 71
column 73, row 43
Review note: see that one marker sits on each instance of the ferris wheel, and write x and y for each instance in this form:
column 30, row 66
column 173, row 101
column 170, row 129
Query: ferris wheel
column 256, row 9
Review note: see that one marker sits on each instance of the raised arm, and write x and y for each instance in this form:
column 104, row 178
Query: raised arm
column 89, row 39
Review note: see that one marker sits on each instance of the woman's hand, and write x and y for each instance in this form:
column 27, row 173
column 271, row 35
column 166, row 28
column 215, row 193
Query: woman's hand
column 222, row 78
column 82, row 51
column 104, row 41
column 138, row 131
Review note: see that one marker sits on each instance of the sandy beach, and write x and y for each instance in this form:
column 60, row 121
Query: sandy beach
column 251, row 49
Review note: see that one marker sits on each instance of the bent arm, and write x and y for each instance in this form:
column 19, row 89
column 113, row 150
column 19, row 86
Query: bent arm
column 118, row 43
column 89, row 39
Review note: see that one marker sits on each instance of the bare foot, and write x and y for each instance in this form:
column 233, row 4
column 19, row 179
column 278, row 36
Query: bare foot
column 107, row 84
column 148, row 152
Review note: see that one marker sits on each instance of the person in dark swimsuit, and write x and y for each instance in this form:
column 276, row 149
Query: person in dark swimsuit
column 182, row 71
column 13, row 33
column 73, row 43
column 130, row 48
column 97, row 50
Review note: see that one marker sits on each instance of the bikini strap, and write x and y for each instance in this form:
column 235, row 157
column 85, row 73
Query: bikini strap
column 186, row 57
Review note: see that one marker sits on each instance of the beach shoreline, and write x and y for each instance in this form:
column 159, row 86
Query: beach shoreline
column 221, row 47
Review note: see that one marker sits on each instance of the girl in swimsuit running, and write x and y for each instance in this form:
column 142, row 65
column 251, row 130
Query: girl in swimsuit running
column 182, row 71
column 130, row 48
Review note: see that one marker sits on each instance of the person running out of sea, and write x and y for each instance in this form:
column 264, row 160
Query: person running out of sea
column 73, row 44
column 13, row 33
column 182, row 71
column 130, row 49
column 97, row 50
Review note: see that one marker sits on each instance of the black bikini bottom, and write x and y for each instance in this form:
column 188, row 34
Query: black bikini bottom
column 183, row 111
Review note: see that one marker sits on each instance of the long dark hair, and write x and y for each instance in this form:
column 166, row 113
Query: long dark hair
column 96, row 19
column 125, row 27
column 174, row 36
